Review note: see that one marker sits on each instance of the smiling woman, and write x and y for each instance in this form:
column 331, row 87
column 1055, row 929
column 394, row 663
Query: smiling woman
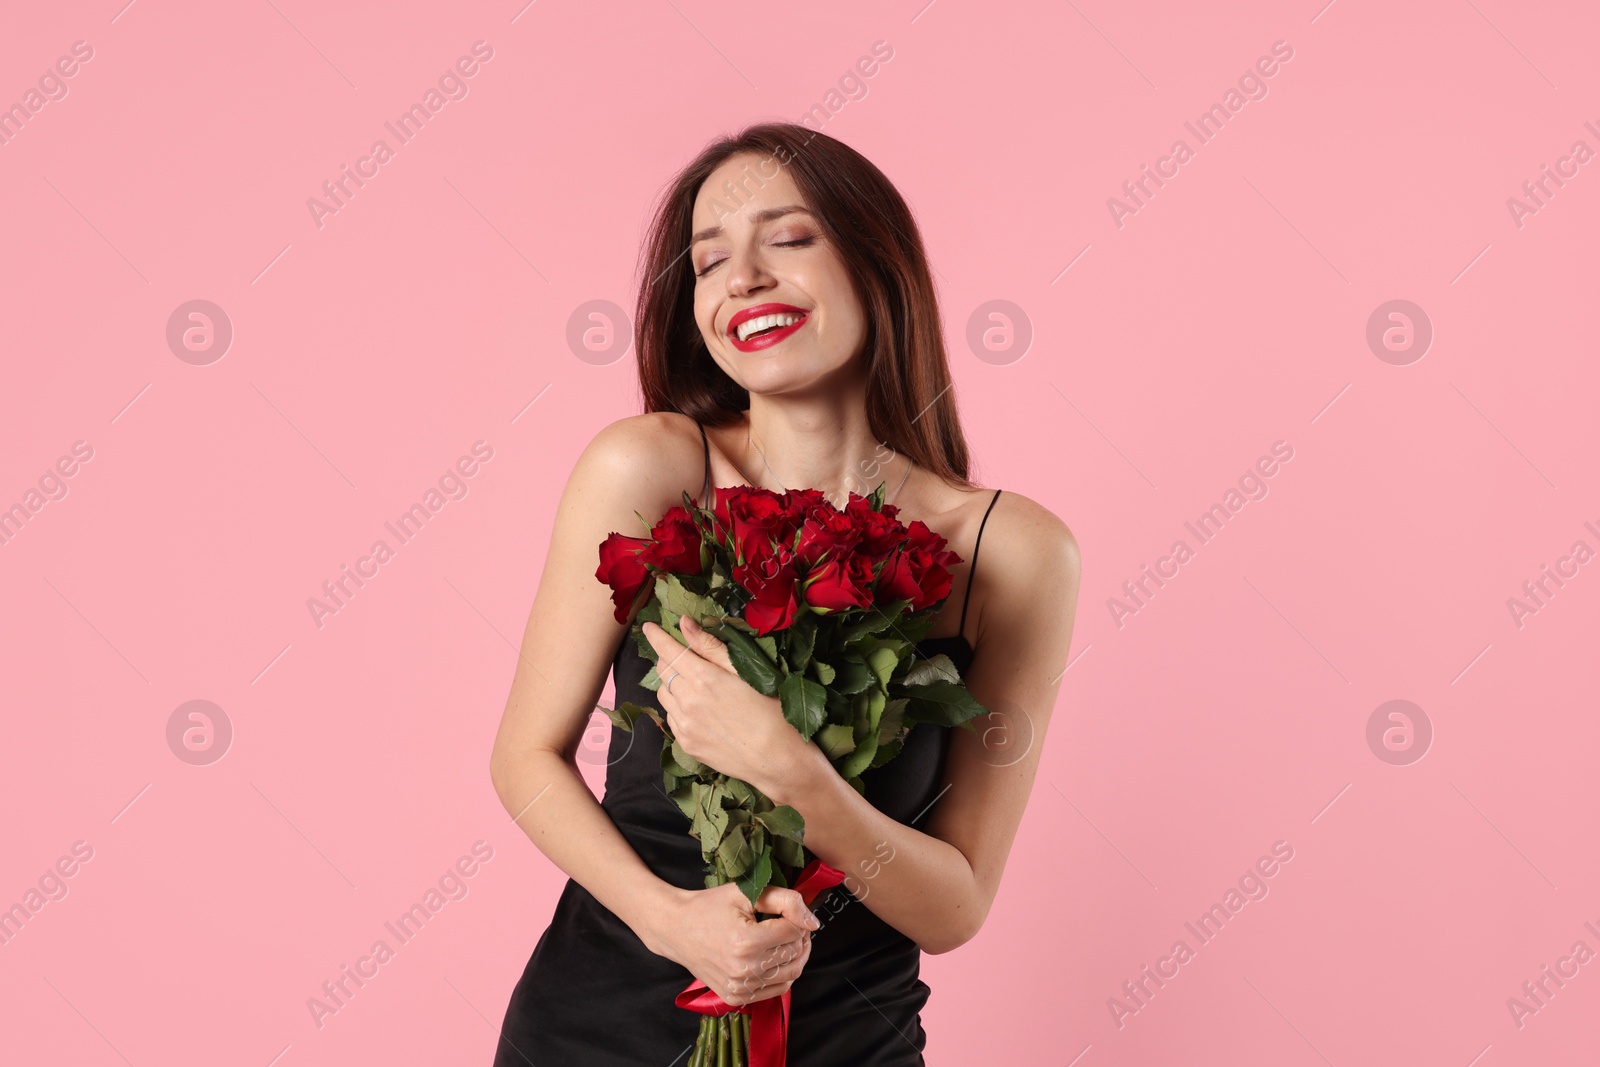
column 788, row 337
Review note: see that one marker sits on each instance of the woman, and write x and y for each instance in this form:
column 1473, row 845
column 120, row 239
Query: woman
column 788, row 336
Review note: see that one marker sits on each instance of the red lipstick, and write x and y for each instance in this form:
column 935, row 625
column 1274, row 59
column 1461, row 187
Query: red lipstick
column 757, row 342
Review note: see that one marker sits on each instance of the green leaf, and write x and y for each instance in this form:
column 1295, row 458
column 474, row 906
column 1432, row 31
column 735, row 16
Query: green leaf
column 624, row 715
column 836, row 740
column 784, row 821
column 825, row 672
column 789, row 853
column 876, row 700
column 760, row 873
column 883, row 661
column 701, row 830
column 734, row 621
column 879, row 618
column 733, row 854
column 769, row 645
column 686, row 761
column 677, row 600
column 804, row 704
column 944, row 703
column 748, row 659
column 716, row 817
column 890, row 722
column 672, row 767
column 685, row 798
column 886, row 753
column 651, row 612
column 802, row 639
column 853, row 675
column 938, row 667
column 859, row 760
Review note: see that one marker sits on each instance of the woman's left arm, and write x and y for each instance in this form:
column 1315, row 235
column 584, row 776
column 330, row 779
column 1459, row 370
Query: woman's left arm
column 936, row 884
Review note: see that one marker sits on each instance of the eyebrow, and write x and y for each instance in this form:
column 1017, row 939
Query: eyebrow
column 758, row 218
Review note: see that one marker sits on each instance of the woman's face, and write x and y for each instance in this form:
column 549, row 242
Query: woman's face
column 761, row 260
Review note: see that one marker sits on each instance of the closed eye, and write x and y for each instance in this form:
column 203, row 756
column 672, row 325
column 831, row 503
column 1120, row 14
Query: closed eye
column 797, row 243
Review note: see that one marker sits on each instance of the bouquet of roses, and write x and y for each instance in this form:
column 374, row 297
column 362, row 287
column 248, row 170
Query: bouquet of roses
column 820, row 607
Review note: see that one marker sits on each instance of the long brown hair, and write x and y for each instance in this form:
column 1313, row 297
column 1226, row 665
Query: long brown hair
column 910, row 404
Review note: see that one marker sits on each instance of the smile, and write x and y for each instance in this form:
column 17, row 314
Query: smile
column 765, row 325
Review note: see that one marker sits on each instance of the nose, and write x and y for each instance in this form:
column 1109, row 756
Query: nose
column 747, row 272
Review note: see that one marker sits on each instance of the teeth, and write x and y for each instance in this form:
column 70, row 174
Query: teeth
column 756, row 325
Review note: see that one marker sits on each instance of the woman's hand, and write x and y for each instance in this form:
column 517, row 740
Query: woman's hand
column 716, row 716
column 715, row 935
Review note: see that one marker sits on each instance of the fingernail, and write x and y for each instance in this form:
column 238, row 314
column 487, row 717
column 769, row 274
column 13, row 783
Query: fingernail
column 688, row 623
column 812, row 920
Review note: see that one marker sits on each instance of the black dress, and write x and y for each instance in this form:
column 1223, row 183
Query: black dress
column 592, row 994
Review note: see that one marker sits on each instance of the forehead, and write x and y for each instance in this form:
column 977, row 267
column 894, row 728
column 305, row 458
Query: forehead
column 754, row 186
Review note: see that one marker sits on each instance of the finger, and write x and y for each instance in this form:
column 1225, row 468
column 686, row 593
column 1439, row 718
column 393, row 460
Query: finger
column 670, row 654
column 775, row 900
column 706, row 644
column 772, row 974
column 782, row 963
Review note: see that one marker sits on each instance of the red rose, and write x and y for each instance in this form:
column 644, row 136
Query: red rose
column 770, row 580
column 798, row 503
column 727, row 496
column 896, row 581
column 675, row 544
column 881, row 532
column 756, row 519
column 827, row 531
column 623, row 570
column 838, row 584
column 930, row 564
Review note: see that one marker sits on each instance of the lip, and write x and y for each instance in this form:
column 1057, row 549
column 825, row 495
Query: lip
column 766, row 340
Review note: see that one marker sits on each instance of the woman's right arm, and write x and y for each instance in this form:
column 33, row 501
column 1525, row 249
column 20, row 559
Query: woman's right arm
column 637, row 464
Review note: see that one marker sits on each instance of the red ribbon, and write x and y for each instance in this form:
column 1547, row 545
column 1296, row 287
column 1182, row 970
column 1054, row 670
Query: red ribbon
column 769, row 1018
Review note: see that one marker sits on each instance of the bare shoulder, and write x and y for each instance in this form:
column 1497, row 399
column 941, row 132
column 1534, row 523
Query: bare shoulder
column 648, row 459
column 1029, row 535
column 1030, row 558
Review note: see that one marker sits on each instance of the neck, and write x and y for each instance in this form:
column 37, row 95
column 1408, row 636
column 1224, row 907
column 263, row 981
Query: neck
column 818, row 442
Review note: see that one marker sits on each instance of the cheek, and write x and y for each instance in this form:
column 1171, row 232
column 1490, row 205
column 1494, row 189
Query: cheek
column 704, row 314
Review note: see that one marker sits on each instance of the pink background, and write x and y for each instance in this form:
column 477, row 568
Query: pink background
column 1228, row 313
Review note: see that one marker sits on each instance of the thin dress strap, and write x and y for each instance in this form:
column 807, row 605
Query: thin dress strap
column 704, row 489
column 972, row 571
